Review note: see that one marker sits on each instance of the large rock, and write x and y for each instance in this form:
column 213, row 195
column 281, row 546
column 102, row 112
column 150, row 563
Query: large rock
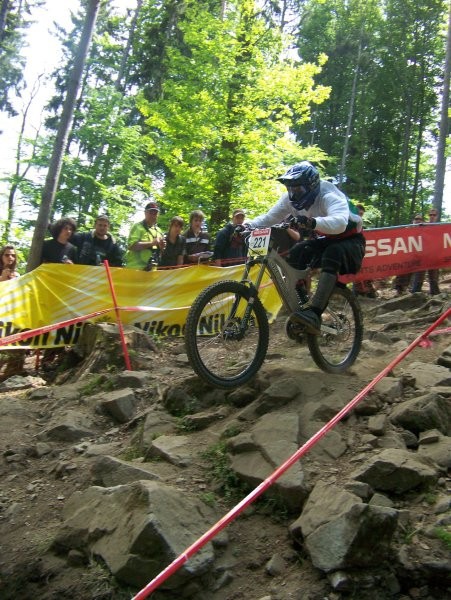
column 325, row 503
column 396, row 470
column 439, row 452
column 156, row 423
column 137, row 530
column 427, row 375
column 340, row 531
column 119, row 404
column 258, row 452
column 108, row 471
column 359, row 537
column 277, row 395
column 431, row 411
column 69, row 426
column 175, row 449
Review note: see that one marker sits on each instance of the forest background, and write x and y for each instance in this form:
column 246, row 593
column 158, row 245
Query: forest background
column 202, row 103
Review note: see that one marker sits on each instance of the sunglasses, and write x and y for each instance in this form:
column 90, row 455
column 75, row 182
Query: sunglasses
column 13, row 255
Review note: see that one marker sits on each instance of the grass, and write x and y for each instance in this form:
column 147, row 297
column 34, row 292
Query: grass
column 231, row 431
column 185, row 426
column 131, row 453
column 232, row 488
column 443, row 534
column 208, row 498
column 93, row 385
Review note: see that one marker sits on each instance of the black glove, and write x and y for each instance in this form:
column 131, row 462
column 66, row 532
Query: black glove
column 306, row 222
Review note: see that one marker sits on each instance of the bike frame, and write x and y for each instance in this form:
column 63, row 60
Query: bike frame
column 282, row 274
column 284, row 277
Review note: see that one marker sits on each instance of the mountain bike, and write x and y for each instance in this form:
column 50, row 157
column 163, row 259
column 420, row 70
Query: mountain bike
column 227, row 328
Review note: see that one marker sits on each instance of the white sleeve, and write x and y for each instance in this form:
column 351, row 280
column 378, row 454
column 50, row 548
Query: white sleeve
column 275, row 215
column 332, row 214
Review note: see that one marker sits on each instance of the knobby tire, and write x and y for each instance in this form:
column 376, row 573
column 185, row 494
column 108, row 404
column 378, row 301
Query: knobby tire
column 219, row 350
column 335, row 354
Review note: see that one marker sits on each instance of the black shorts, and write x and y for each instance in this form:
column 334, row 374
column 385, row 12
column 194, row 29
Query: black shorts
column 341, row 256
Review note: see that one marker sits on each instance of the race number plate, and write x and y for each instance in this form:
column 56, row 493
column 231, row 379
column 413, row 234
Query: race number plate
column 259, row 241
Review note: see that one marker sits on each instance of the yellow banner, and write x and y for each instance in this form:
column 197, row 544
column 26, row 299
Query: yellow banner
column 54, row 293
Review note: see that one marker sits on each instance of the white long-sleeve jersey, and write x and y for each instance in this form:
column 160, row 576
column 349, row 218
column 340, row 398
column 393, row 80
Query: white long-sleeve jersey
column 330, row 210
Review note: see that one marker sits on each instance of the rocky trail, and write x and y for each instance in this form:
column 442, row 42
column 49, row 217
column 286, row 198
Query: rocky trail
column 107, row 475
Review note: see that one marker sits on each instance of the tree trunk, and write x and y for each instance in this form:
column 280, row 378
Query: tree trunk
column 19, row 175
column 351, row 111
column 4, row 6
column 121, row 81
column 54, row 171
column 444, row 126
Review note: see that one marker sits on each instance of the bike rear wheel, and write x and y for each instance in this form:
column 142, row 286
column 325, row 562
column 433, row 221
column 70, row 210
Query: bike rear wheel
column 339, row 343
column 226, row 334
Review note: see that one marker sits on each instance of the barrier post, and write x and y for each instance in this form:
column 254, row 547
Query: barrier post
column 118, row 317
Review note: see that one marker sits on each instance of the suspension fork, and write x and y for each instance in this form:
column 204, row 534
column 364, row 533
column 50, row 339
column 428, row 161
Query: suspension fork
column 253, row 287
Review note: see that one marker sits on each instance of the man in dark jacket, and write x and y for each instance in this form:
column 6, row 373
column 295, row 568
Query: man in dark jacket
column 230, row 248
column 98, row 245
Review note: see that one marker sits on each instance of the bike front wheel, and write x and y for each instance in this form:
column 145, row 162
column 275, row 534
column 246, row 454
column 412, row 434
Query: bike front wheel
column 339, row 343
column 226, row 334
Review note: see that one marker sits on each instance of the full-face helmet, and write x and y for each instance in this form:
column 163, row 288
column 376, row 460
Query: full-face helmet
column 302, row 182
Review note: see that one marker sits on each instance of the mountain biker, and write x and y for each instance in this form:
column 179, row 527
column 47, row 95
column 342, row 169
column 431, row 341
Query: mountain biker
column 318, row 206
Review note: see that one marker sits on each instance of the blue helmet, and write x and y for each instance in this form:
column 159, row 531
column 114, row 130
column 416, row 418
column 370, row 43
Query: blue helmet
column 302, row 181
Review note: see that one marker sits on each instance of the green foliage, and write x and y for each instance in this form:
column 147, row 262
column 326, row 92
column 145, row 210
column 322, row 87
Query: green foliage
column 444, row 534
column 94, row 385
column 183, row 425
column 208, row 498
column 222, row 126
column 393, row 53
column 220, row 472
column 132, row 452
column 14, row 20
column 274, row 506
column 231, row 431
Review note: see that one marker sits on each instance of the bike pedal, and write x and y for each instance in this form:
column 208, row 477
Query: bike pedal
column 294, row 331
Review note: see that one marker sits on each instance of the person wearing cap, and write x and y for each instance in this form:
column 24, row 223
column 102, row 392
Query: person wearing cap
column 98, row 245
column 318, row 206
column 433, row 274
column 146, row 239
column 230, row 248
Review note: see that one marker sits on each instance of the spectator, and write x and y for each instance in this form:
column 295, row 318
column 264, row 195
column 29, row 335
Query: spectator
column 12, row 359
column 401, row 282
column 230, row 248
column 98, row 245
column 197, row 240
column 174, row 252
column 8, row 263
column 365, row 287
column 146, row 240
column 433, row 274
column 59, row 249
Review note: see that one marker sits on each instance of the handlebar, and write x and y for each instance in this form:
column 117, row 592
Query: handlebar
column 247, row 229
